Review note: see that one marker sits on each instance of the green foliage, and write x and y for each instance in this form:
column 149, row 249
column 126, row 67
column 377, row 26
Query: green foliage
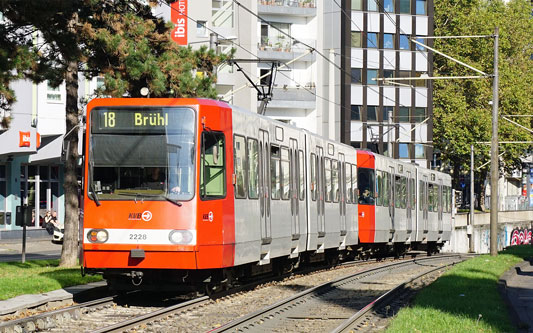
column 454, row 302
column 462, row 114
column 38, row 276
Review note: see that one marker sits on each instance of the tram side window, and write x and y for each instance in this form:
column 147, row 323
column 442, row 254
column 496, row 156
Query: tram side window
column 240, row 166
column 354, row 184
column 386, row 189
column 313, row 177
column 213, row 171
column 301, row 167
column 253, row 168
column 335, row 180
column 422, row 198
column 285, row 174
column 431, row 201
column 365, row 179
column 275, row 172
column 327, row 163
column 448, row 199
column 379, row 188
column 403, row 192
column 348, row 184
column 412, row 193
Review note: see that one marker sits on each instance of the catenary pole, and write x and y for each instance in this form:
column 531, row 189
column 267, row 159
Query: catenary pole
column 494, row 165
column 472, row 201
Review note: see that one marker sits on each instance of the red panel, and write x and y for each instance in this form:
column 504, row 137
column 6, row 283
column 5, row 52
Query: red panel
column 178, row 16
column 157, row 260
column 367, row 223
column 365, row 159
column 215, row 256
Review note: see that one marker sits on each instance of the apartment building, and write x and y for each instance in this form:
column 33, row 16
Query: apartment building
column 393, row 117
column 287, row 33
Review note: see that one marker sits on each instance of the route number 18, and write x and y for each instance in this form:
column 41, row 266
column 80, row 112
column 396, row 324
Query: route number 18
column 109, row 119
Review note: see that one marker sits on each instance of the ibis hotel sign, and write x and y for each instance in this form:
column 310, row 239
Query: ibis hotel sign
column 178, row 15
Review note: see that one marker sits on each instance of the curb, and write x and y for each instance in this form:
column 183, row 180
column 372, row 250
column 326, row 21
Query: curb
column 502, row 289
column 34, row 300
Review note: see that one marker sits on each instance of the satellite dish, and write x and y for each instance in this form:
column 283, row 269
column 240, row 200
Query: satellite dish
column 145, row 91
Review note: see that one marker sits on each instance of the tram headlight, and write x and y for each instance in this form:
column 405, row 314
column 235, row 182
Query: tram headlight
column 97, row 236
column 185, row 237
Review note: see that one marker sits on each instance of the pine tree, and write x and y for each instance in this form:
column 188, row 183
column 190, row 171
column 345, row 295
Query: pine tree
column 120, row 39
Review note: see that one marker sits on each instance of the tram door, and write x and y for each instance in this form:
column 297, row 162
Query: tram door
column 409, row 202
column 424, row 201
column 321, row 223
column 264, row 186
column 440, row 206
column 392, row 197
column 295, row 207
column 342, row 193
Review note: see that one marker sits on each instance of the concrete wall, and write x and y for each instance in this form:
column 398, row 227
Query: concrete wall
column 513, row 227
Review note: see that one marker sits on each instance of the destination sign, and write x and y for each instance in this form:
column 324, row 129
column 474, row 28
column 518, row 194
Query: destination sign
column 139, row 120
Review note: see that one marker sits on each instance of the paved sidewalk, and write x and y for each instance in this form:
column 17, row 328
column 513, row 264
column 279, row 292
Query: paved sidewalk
column 517, row 286
column 42, row 248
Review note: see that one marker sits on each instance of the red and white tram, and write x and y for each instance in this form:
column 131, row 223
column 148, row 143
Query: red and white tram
column 190, row 192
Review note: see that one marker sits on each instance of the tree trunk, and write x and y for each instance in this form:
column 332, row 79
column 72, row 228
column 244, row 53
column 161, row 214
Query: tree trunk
column 69, row 253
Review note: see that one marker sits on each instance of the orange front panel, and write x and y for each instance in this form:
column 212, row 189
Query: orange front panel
column 152, row 260
column 212, row 220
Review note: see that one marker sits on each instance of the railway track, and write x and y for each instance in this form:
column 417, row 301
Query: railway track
column 322, row 308
column 200, row 314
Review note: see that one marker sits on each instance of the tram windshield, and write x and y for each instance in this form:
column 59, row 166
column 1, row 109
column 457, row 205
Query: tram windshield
column 142, row 153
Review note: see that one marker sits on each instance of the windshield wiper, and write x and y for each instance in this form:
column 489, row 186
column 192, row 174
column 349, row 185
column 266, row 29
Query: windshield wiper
column 176, row 202
column 94, row 196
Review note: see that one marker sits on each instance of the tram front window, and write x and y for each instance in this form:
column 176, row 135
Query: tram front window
column 365, row 181
column 143, row 153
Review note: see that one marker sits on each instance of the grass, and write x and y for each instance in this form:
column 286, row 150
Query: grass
column 464, row 299
column 38, row 276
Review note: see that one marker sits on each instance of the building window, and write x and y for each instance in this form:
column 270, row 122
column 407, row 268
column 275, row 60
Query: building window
column 386, row 110
column 420, row 83
column 388, row 6
column 403, row 150
column 403, row 114
column 372, row 40
column 420, row 151
column 404, row 74
column 405, row 6
column 371, row 76
column 357, row 4
column 420, row 115
column 201, row 30
column 356, row 75
column 388, row 41
column 419, row 47
column 404, row 42
column 355, row 144
column 356, row 39
column 355, row 114
column 52, row 94
column 387, row 73
column 421, row 7
column 372, row 5
column 371, row 113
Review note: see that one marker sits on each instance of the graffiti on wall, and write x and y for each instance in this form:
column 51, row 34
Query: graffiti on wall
column 521, row 236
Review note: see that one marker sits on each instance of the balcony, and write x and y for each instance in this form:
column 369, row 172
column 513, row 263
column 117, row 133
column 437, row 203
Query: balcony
column 283, row 49
column 302, row 8
column 293, row 97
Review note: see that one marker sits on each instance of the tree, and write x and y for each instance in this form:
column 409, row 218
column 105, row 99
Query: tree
column 462, row 113
column 120, row 39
